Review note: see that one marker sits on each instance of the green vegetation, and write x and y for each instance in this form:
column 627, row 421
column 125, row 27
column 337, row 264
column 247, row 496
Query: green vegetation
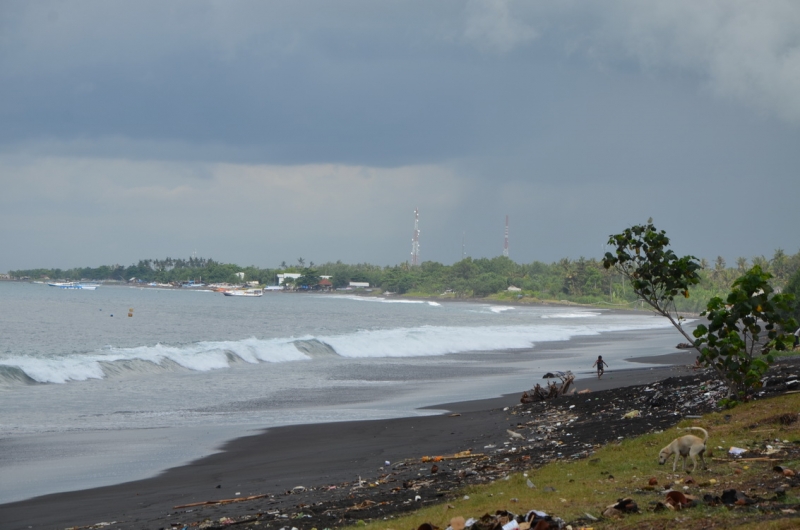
column 570, row 489
column 582, row 281
column 743, row 330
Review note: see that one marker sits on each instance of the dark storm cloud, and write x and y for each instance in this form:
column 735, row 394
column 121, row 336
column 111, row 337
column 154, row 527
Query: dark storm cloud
column 575, row 118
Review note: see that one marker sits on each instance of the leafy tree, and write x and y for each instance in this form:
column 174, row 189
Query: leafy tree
column 793, row 288
column 656, row 274
column 309, row 280
column 734, row 343
column 489, row 283
column 741, row 264
column 340, row 279
column 743, row 331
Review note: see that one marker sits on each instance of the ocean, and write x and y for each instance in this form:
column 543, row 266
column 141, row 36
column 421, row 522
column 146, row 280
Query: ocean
column 117, row 384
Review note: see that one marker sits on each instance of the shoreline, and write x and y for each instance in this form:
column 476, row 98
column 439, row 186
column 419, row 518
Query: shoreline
column 280, row 459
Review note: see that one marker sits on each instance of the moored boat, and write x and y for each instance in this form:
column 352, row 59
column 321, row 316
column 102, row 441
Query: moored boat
column 75, row 285
column 244, row 292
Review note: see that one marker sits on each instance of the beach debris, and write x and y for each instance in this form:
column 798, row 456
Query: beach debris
column 552, row 390
column 221, row 501
column 620, row 508
column 736, row 451
column 632, row 414
column 506, row 520
column 457, row 456
column 737, row 498
column 569, row 428
column 677, row 500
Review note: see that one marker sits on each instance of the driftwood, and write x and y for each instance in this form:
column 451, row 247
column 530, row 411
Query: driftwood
column 551, row 391
column 222, row 501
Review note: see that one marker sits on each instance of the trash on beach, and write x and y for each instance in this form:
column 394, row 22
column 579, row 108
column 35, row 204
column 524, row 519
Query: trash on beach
column 632, row 414
column 552, row 390
column 736, row 451
column 221, row 501
column 620, row 508
column 676, row 500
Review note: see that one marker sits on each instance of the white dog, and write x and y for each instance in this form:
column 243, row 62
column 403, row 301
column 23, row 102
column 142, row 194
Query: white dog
column 689, row 445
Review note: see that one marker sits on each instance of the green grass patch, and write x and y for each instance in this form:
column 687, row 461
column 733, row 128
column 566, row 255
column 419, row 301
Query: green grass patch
column 624, row 469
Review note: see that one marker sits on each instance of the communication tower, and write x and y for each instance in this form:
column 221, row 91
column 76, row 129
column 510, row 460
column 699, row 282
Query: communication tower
column 415, row 240
column 505, row 243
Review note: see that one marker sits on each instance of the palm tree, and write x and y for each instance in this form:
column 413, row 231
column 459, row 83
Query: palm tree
column 741, row 265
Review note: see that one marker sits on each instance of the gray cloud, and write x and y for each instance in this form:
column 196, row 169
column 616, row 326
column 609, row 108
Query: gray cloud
column 142, row 125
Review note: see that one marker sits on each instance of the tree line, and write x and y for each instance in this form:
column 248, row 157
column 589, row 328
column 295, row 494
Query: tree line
column 580, row 281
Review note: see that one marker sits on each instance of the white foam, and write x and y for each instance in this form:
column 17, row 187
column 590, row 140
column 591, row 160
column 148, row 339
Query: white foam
column 377, row 299
column 199, row 357
column 500, row 308
column 579, row 314
column 396, row 342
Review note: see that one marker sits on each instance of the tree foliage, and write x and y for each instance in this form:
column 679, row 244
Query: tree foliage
column 742, row 331
column 582, row 280
column 656, row 274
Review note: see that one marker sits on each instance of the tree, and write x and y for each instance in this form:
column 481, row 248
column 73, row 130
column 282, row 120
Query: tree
column 744, row 330
column 309, row 280
column 741, row 264
column 656, row 274
column 734, row 343
column 793, row 288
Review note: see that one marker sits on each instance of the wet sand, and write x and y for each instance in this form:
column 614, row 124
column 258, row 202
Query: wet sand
column 282, row 458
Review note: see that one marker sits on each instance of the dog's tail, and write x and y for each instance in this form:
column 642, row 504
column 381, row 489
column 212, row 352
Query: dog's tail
column 705, row 432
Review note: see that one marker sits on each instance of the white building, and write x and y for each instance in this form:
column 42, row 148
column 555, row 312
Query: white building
column 292, row 275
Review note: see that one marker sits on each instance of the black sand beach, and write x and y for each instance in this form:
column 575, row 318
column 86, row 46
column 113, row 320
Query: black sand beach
column 300, row 466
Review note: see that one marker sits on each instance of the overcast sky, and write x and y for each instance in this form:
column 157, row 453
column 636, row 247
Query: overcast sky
column 260, row 132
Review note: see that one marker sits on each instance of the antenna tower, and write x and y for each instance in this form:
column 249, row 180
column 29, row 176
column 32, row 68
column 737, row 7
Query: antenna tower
column 415, row 240
column 505, row 243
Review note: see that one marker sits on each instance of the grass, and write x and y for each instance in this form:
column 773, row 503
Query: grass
column 571, row 489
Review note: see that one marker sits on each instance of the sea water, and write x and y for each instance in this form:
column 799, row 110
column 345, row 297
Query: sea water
column 100, row 387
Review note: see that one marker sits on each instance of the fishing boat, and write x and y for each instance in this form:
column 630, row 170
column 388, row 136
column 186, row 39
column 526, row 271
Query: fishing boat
column 75, row 285
column 244, row 292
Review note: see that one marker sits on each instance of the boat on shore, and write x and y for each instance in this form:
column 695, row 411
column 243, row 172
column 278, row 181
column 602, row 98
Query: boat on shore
column 75, row 285
column 244, row 292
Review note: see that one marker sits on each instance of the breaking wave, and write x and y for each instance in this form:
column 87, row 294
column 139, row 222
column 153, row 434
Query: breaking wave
column 208, row 356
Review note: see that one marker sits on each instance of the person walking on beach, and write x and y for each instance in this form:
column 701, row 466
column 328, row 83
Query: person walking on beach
column 599, row 363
